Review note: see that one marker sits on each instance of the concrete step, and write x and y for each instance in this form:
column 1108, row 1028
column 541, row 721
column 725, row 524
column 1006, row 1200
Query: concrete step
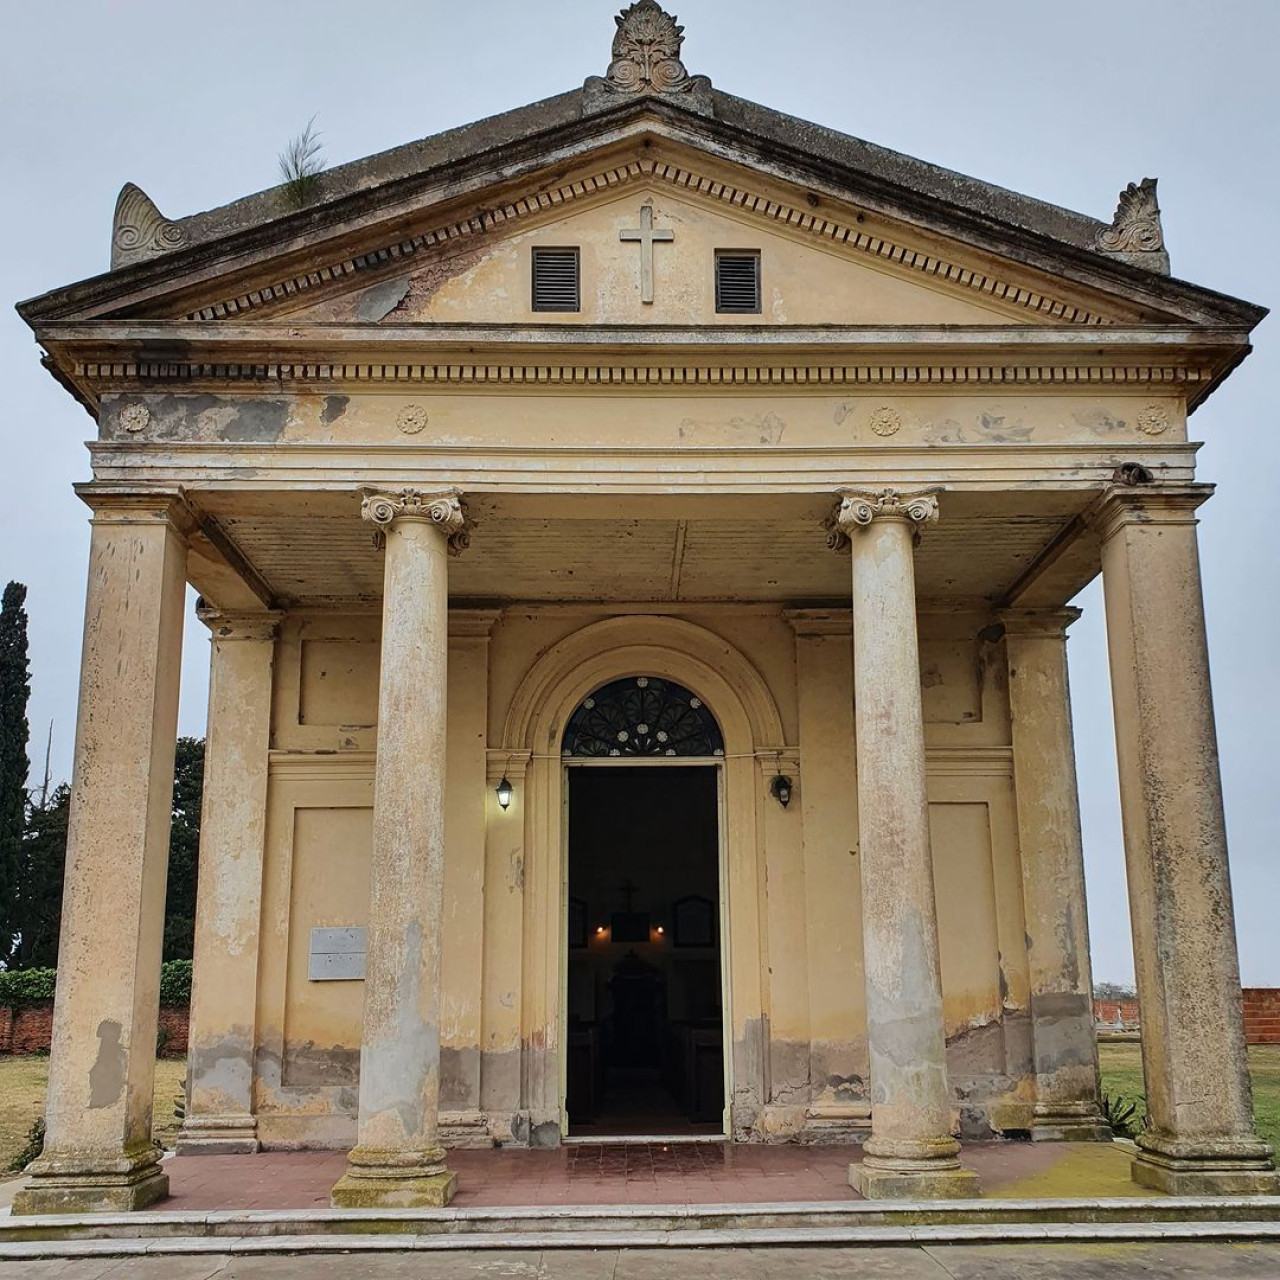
column 614, row 1226
column 816, row 1237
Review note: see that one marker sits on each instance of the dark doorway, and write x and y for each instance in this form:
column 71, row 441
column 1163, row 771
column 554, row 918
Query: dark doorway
column 645, row 1039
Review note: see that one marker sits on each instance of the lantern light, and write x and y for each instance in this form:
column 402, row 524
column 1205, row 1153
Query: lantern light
column 505, row 791
column 781, row 789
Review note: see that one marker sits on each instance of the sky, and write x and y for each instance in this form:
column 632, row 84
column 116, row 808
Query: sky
column 1066, row 102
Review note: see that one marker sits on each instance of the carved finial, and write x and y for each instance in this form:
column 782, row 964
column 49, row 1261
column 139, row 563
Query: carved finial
column 139, row 230
column 1135, row 234
column 646, row 58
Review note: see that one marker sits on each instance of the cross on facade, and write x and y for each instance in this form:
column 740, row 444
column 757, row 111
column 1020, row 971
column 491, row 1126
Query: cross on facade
column 647, row 237
column 628, row 890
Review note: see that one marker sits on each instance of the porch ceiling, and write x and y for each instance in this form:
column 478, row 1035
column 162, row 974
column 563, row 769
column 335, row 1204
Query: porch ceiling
column 315, row 549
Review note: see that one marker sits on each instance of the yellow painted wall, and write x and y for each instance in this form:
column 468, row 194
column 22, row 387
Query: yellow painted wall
column 796, row 966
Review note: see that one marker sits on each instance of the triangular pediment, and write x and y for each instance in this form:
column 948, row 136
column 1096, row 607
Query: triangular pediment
column 812, row 271
column 822, row 261
column 444, row 245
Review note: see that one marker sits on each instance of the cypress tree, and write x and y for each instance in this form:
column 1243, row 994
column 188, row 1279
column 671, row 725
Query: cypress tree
column 15, row 689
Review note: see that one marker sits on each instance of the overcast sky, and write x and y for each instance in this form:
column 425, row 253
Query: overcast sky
column 1064, row 101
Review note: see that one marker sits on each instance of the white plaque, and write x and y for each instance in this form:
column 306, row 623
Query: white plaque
column 337, row 955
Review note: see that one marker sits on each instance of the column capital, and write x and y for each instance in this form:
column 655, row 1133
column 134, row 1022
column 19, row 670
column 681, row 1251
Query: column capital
column 1122, row 504
column 1048, row 624
column 228, row 624
column 858, row 508
column 134, row 506
column 444, row 508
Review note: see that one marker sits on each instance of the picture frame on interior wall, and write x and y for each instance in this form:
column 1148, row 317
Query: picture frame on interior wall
column 577, row 921
column 693, row 922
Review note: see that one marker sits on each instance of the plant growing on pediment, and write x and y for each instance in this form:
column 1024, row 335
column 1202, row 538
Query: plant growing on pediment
column 301, row 164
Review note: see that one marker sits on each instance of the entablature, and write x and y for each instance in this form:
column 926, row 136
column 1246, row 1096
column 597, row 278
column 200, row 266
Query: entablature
column 96, row 358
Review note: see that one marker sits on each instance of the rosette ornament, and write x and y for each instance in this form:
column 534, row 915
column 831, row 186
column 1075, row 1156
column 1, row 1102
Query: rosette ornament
column 443, row 508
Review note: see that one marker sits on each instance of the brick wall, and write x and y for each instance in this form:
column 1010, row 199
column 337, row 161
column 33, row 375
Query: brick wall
column 1109, row 1012
column 1262, row 1015
column 29, row 1029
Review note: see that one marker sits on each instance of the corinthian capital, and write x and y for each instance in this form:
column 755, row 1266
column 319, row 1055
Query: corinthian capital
column 859, row 508
column 442, row 508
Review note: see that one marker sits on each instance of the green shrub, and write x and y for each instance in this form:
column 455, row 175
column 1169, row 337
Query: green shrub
column 175, row 982
column 27, row 986
column 32, row 986
column 33, row 1148
column 1123, row 1115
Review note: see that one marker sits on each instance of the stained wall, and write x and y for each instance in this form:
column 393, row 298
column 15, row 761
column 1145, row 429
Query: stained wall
column 797, row 1019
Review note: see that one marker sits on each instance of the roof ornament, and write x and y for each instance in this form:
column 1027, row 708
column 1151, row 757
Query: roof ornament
column 646, row 60
column 139, row 230
column 1135, row 235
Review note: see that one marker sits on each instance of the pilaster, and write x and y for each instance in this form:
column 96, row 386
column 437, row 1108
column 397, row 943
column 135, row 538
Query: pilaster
column 224, row 991
column 1064, row 1045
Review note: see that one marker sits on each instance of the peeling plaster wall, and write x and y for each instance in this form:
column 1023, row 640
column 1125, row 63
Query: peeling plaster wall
column 798, row 1038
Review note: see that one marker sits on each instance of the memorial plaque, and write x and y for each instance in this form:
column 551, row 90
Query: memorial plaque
column 337, row 955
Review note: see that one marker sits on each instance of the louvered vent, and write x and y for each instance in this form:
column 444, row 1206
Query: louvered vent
column 555, row 280
column 738, row 282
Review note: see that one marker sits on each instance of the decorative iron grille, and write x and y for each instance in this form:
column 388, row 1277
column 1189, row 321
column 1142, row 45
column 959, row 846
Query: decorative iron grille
column 642, row 716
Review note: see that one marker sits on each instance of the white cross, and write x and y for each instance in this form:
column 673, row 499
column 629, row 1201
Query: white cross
column 647, row 236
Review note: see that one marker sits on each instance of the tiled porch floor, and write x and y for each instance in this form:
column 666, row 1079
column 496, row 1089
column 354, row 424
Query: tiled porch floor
column 618, row 1173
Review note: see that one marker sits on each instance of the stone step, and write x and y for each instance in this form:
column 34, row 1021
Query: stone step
column 870, row 1236
column 612, row 1226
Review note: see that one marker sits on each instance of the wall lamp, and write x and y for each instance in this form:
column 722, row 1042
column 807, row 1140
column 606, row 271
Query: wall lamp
column 505, row 791
column 780, row 789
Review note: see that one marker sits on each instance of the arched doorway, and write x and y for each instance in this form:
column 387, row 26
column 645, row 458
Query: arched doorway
column 532, row 739
column 644, row 979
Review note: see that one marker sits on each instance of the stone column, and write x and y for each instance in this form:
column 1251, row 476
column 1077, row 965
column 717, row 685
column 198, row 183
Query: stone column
column 397, row 1161
column 911, row 1153
column 1065, row 1047
column 233, row 822
column 98, row 1153
column 1199, row 1103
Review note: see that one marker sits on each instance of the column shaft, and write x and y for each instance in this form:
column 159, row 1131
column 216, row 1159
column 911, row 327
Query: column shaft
column 911, row 1152
column 98, row 1153
column 397, row 1160
column 224, row 993
column 1065, row 1047
column 1200, row 1138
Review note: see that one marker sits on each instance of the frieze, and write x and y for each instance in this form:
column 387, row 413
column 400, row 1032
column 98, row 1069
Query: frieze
column 803, row 220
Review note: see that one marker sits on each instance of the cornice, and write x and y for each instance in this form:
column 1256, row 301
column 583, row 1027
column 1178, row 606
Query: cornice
column 99, row 357
column 142, row 374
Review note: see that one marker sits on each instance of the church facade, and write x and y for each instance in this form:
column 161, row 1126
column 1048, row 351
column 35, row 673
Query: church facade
column 637, row 534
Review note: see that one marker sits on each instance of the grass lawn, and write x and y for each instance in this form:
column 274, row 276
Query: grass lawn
column 1122, row 1074
column 22, row 1085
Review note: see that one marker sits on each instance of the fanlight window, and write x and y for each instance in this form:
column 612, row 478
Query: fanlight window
column 642, row 716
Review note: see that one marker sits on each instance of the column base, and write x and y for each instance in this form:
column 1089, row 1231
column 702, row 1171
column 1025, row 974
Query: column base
column 359, row 1191
column 386, row 1179
column 224, row 1135
column 941, row 1180
column 1080, row 1122
column 1207, row 1177
column 63, row 1184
